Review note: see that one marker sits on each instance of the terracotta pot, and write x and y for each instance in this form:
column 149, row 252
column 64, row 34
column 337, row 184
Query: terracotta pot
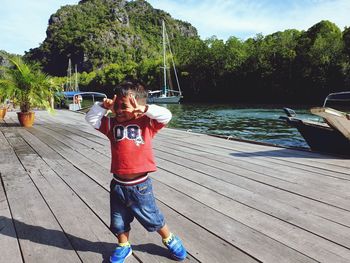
column 26, row 119
column 2, row 113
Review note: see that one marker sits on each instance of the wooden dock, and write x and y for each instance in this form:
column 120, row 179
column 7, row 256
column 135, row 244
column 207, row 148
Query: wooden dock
column 229, row 201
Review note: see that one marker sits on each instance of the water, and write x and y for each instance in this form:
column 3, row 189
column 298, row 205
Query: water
column 257, row 124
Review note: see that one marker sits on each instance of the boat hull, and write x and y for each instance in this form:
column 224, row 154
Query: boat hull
column 321, row 137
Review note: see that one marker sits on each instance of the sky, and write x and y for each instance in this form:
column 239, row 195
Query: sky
column 23, row 23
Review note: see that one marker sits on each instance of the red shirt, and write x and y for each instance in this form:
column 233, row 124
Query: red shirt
column 131, row 144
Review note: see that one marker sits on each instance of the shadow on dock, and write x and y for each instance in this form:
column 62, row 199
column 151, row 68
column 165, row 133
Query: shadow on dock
column 57, row 238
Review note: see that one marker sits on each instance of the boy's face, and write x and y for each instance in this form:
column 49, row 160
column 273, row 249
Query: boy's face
column 124, row 110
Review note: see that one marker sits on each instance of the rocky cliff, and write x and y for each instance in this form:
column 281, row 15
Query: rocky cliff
column 94, row 33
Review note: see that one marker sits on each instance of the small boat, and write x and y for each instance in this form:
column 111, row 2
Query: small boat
column 167, row 94
column 74, row 99
column 80, row 101
column 332, row 133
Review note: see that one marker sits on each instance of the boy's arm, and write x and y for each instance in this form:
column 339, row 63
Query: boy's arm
column 95, row 117
column 159, row 116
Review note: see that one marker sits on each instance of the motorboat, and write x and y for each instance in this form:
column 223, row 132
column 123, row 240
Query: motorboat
column 79, row 100
column 332, row 132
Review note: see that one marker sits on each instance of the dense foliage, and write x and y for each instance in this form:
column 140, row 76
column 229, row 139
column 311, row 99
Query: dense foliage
column 26, row 85
column 110, row 40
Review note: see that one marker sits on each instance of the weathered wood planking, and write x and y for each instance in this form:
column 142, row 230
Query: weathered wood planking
column 9, row 247
column 40, row 236
column 87, row 234
column 250, row 202
column 326, row 162
column 277, row 232
column 261, row 161
column 264, row 192
column 268, row 175
column 279, row 171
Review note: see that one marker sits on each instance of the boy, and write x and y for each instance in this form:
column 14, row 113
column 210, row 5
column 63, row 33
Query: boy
column 130, row 133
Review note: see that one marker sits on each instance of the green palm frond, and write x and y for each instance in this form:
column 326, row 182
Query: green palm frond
column 29, row 86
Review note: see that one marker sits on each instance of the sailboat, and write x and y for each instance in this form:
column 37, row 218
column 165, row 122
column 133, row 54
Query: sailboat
column 167, row 94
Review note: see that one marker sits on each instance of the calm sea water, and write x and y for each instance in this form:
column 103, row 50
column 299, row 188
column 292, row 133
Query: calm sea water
column 255, row 123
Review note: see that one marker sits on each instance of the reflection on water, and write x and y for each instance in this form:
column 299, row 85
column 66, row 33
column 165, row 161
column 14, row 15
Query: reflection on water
column 257, row 124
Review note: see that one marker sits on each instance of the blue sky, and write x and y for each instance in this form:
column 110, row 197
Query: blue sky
column 23, row 23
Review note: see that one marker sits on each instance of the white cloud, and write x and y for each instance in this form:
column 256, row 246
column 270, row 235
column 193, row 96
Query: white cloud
column 225, row 18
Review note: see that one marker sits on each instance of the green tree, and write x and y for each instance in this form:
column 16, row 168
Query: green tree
column 319, row 53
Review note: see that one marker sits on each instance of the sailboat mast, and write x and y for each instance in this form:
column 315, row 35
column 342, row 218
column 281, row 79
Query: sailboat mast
column 76, row 87
column 173, row 63
column 164, row 58
column 69, row 76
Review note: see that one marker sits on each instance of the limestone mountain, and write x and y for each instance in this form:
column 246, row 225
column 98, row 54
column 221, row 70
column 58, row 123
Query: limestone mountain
column 95, row 33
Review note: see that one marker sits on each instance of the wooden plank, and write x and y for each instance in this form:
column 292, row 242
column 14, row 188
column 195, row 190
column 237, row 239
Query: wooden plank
column 247, row 239
column 255, row 159
column 304, row 157
column 184, row 165
column 289, row 216
column 325, row 184
column 40, row 236
column 9, row 246
column 328, row 198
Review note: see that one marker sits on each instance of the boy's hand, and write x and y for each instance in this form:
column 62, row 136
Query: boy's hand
column 138, row 109
column 109, row 104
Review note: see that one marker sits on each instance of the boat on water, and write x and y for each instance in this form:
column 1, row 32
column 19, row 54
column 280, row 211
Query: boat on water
column 332, row 132
column 167, row 94
column 74, row 99
column 80, row 100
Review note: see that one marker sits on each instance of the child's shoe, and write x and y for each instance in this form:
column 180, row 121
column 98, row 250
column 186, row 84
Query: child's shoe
column 176, row 248
column 121, row 253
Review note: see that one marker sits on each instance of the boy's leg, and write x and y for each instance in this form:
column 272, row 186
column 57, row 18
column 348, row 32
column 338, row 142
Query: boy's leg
column 147, row 213
column 123, row 237
column 164, row 232
column 121, row 217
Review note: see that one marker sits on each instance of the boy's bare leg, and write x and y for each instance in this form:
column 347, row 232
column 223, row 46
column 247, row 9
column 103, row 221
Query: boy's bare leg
column 123, row 237
column 164, row 232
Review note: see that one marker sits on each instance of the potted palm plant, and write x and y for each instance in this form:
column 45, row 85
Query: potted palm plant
column 28, row 86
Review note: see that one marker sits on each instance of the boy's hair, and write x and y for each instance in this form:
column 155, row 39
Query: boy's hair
column 133, row 86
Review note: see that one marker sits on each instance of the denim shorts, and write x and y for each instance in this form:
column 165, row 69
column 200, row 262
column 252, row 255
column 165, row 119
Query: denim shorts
column 136, row 201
